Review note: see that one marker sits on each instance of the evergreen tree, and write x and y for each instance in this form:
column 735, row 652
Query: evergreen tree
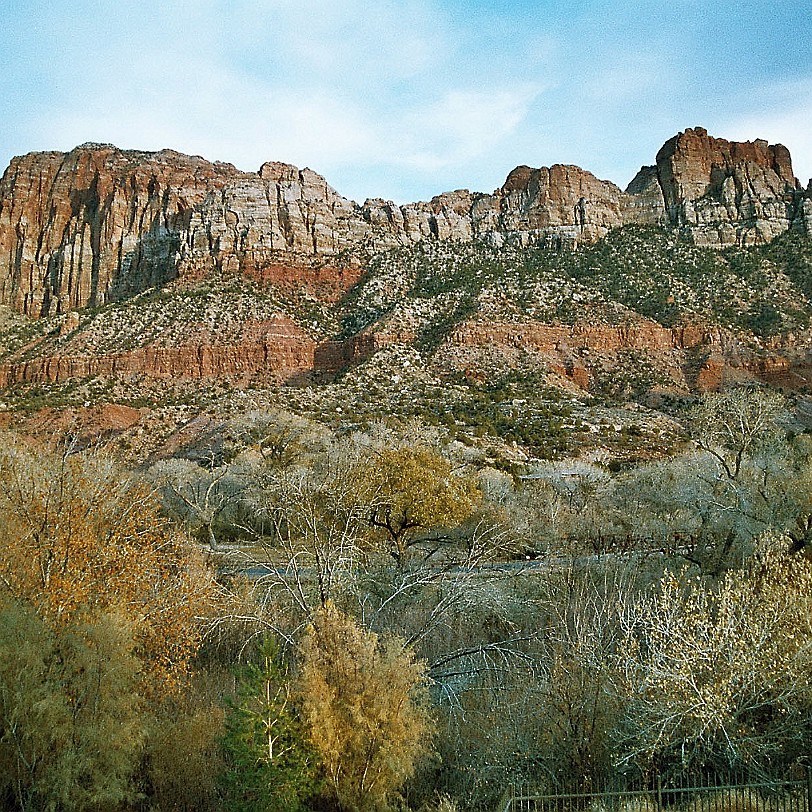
column 271, row 765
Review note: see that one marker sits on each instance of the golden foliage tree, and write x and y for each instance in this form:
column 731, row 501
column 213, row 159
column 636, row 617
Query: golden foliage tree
column 366, row 703
column 415, row 489
column 79, row 535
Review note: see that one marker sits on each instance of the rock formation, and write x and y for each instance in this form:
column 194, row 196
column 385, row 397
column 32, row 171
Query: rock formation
column 99, row 224
column 729, row 192
column 276, row 349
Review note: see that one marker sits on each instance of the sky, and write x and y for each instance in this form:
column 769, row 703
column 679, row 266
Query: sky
column 404, row 99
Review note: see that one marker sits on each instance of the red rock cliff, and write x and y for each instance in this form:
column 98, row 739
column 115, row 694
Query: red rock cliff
column 99, row 224
column 727, row 191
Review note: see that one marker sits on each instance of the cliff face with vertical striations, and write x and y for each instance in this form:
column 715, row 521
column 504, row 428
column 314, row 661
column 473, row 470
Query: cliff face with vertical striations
column 730, row 192
column 100, row 224
column 94, row 224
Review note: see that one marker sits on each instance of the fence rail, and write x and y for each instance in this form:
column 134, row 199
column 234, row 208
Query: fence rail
column 706, row 794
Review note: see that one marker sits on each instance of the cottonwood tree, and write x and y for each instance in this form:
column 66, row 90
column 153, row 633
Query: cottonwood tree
column 278, row 436
column 569, row 504
column 752, row 475
column 735, row 424
column 414, row 489
column 311, row 526
column 78, row 535
column 198, row 496
column 322, row 527
column 366, row 704
column 579, row 644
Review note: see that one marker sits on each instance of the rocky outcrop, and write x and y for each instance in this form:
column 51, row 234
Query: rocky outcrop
column 688, row 358
column 96, row 223
column 562, row 204
column 275, row 350
column 729, row 192
column 99, row 224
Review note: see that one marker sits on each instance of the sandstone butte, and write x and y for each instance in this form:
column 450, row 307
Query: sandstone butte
column 100, row 224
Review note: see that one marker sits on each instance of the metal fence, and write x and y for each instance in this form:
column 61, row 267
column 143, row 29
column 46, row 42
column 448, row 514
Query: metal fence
column 710, row 793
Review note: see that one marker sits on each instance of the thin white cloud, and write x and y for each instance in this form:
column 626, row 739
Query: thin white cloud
column 351, row 43
column 461, row 126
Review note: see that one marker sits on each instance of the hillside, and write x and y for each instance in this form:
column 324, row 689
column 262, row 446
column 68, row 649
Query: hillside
column 536, row 350
column 511, row 446
column 157, row 281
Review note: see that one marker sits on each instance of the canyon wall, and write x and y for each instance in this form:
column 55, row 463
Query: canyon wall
column 730, row 192
column 99, row 224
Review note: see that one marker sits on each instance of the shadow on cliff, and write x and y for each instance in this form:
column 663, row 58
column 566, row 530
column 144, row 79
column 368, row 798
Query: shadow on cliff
column 90, row 269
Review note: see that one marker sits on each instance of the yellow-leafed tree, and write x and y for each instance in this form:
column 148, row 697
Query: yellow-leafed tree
column 78, row 535
column 413, row 490
column 365, row 700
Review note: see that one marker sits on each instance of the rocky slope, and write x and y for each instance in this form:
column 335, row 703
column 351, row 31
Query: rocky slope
column 99, row 224
column 526, row 351
column 642, row 308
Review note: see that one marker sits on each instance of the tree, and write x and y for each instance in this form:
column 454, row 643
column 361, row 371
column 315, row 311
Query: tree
column 567, row 504
column 278, row 436
column 79, row 537
column 578, row 705
column 719, row 677
column 197, row 496
column 183, row 753
column 753, row 474
column 312, row 516
column 733, row 425
column 71, row 730
column 271, row 764
column 413, row 490
column 365, row 700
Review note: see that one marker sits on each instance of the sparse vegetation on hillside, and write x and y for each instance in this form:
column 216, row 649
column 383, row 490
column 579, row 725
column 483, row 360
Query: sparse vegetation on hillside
column 649, row 271
column 507, row 622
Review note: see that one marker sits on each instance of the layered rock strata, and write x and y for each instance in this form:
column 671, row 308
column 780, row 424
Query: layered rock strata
column 276, row 349
column 692, row 358
column 99, row 224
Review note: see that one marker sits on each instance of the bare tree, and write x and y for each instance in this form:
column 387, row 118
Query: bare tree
column 718, row 677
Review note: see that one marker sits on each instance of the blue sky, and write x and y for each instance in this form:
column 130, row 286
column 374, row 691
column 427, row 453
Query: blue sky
column 404, row 99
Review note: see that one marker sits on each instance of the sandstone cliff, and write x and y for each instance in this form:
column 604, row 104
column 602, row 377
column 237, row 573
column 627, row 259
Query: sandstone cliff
column 99, row 224
column 730, row 192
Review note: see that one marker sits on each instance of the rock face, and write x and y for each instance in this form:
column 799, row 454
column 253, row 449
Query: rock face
column 99, row 224
column 729, row 192
column 277, row 349
column 94, row 224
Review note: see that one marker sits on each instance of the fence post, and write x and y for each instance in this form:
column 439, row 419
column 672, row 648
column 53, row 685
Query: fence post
column 506, row 801
column 809, row 788
column 659, row 792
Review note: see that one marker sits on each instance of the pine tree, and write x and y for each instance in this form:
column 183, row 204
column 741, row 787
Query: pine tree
column 272, row 767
